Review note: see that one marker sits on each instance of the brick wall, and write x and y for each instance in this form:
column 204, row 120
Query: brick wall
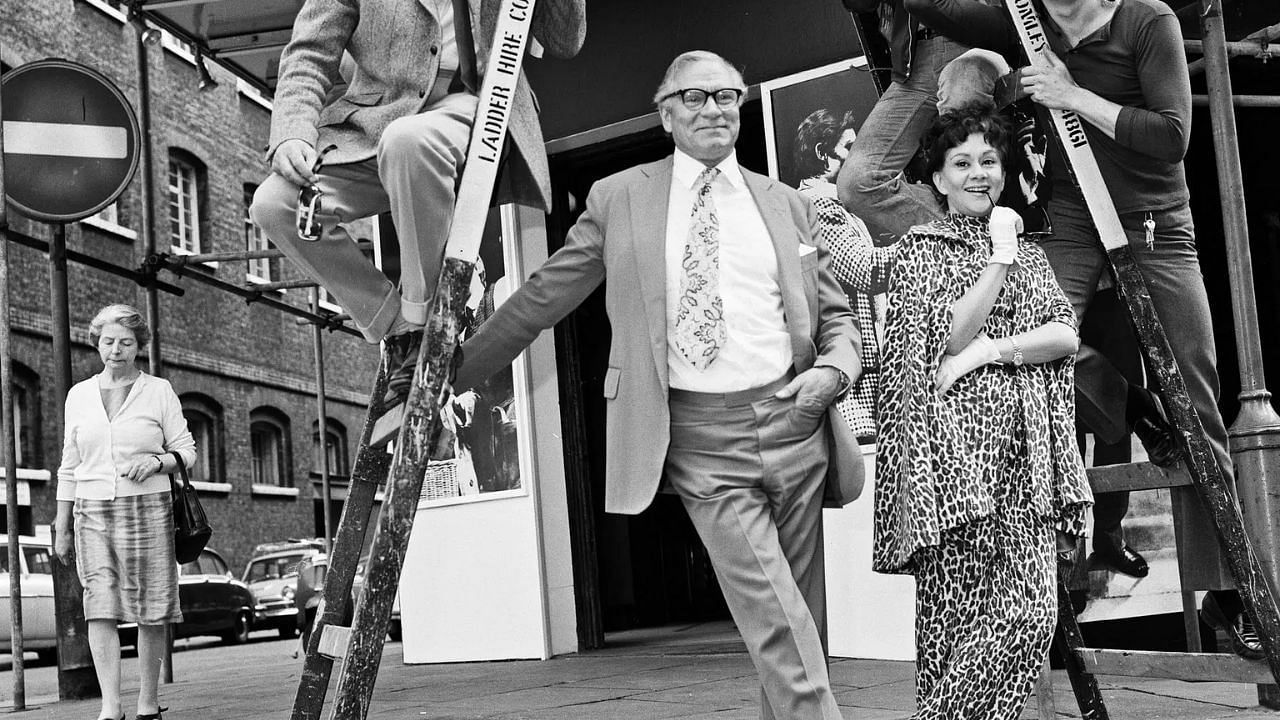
column 242, row 356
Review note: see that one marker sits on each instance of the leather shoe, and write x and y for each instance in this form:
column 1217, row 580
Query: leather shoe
column 1239, row 628
column 402, row 358
column 1123, row 559
column 1155, row 433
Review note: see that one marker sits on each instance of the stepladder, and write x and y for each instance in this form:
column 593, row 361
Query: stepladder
column 415, row 424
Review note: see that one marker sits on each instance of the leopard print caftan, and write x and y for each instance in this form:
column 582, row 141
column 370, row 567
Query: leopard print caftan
column 970, row 486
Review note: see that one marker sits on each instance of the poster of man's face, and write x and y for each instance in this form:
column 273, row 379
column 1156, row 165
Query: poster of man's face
column 843, row 91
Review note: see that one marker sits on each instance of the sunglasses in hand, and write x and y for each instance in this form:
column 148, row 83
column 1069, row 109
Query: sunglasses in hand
column 309, row 206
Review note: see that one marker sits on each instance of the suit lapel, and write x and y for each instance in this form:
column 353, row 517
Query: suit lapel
column 786, row 245
column 649, row 234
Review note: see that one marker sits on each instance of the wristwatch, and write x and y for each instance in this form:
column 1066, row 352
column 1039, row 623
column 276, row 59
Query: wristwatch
column 1017, row 351
column 159, row 463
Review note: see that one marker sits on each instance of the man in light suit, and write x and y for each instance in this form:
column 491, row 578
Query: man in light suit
column 730, row 340
column 399, row 138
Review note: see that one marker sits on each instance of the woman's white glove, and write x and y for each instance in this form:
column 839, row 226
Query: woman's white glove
column 980, row 351
column 1005, row 226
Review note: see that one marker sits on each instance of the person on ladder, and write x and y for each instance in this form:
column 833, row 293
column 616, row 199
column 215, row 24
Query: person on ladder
column 395, row 141
column 730, row 340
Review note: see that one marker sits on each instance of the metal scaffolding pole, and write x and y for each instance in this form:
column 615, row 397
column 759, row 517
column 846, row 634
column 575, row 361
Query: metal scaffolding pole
column 322, row 425
column 10, row 459
column 1255, row 435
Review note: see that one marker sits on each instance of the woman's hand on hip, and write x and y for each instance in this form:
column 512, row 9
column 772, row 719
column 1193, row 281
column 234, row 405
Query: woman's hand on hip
column 141, row 468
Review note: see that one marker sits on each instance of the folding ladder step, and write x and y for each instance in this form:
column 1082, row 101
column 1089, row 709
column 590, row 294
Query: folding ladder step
column 386, row 427
column 1136, row 476
column 1215, row 667
column 333, row 641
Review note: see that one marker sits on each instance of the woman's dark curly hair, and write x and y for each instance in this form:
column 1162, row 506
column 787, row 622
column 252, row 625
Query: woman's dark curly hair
column 820, row 128
column 954, row 127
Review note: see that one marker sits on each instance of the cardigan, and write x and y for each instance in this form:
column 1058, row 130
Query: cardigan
column 95, row 449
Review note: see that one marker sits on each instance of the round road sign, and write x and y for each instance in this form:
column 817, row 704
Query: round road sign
column 70, row 140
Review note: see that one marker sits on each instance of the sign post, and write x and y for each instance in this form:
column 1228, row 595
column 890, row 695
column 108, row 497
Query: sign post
column 69, row 147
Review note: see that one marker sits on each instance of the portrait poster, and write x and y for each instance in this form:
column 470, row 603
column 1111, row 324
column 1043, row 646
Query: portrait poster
column 483, row 450
column 810, row 119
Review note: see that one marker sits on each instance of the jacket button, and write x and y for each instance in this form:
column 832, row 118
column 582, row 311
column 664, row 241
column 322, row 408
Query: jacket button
column 435, row 49
column 422, row 93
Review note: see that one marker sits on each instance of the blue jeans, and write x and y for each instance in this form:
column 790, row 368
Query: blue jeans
column 1171, row 269
column 871, row 180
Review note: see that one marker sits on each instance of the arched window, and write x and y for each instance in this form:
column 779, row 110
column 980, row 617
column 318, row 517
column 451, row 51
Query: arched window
column 269, row 438
column 204, row 420
column 186, row 196
column 334, row 448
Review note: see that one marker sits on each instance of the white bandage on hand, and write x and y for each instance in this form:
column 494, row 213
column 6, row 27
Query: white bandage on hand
column 980, row 351
column 1005, row 226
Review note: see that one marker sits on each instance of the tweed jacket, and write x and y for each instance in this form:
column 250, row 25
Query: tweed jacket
column 395, row 45
column 622, row 237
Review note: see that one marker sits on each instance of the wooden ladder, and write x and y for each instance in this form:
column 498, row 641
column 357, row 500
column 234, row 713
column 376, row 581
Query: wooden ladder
column 415, row 424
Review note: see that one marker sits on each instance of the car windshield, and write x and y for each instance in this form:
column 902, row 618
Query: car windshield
column 272, row 568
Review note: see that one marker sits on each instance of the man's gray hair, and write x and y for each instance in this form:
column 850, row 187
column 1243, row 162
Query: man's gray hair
column 668, row 84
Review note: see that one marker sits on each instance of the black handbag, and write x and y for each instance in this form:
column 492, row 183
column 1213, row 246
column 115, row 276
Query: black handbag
column 191, row 529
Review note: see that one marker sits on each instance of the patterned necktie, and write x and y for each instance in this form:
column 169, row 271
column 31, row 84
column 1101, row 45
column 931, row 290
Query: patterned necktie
column 700, row 330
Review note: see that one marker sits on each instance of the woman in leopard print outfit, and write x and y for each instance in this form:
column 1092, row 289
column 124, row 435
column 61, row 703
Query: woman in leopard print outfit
column 977, row 464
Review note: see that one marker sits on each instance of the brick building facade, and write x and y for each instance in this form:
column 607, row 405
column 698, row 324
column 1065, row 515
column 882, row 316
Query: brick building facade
column 245, row 372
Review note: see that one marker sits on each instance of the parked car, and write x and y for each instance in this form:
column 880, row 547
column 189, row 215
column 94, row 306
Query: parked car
column 213, row 602
column 39, row 628
column 311, row 577
column 272, row 577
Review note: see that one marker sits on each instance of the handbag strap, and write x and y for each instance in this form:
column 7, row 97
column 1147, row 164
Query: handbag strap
column 182, row 470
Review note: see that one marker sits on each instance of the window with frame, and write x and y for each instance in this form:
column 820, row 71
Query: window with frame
column 204, row 421
column 334, row 448
column 25, row 396
column 185, row 176
column 258, row 269
column 269, row 441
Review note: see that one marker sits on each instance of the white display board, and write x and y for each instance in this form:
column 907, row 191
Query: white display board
column 869, row 615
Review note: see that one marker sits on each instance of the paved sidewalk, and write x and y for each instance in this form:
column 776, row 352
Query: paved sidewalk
column 694, row 672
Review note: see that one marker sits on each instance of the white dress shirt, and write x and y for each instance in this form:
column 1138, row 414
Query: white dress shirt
column 758, row 349
column 95, row 449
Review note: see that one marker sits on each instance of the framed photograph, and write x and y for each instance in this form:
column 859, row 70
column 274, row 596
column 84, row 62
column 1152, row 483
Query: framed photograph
column 844, row 89
column 811, row 119
column 486, row 428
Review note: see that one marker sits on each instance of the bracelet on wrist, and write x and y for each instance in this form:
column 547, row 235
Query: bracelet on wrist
column 159, row 463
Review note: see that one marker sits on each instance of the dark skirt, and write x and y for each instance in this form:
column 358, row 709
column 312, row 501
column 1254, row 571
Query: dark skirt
column 124, row 555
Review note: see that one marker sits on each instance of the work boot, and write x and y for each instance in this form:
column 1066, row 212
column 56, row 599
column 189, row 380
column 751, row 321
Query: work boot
column 402, row 359
column 1147, row 419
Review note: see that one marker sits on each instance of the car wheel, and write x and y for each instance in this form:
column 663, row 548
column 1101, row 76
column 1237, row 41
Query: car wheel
column 394, row 631
column 288, row 632
column 239, row 632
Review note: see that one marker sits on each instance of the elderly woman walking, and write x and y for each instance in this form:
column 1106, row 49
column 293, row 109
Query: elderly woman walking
column 124, row 434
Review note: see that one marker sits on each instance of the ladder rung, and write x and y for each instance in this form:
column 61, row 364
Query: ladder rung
column 387, row 426
column 333, row 641
column 1218, row 667
column 1136, row 476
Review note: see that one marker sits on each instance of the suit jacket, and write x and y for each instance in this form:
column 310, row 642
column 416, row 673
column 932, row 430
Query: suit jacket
column 395, row 45
column 621, row 236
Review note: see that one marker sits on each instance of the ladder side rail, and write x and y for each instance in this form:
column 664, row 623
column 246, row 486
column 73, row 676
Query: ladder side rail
column 368, row 475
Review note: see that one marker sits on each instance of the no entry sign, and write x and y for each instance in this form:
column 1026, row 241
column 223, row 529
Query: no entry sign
column 70, row 140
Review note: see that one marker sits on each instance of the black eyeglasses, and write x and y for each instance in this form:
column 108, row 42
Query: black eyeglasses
column 695, row 99
column 309, row 204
